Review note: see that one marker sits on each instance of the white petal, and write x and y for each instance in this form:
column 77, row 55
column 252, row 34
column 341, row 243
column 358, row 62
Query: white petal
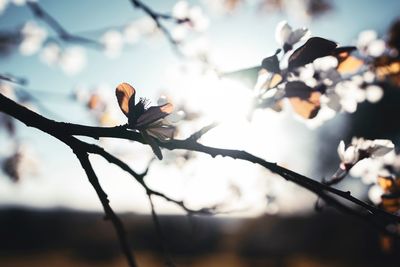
column 297, row 35
column 325, row 63
column 365, row 38
column 376, row 48
column 375, row 193
column 374, row 93
column 340, row 150
column 180, row 10
column 282, row 32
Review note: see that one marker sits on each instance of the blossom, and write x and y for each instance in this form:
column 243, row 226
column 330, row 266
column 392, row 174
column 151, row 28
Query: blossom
column 147, row 120
column 113, row 42
column 287, row 37
column 73, row 60
column 33, row 37
column 369, row 43
column 362, row 148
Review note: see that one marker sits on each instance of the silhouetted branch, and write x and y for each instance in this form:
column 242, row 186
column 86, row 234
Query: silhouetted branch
column 13, row 79
column 157, row 17
column 109, row 213
column 62, row 33
column 330, row 195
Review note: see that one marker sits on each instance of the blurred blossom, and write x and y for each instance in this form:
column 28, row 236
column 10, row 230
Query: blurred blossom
column 33, row 37
column 287, row 37
column 23, row 162
column 374, row 194
column 369, row 44
column 374, row 93
column 196, row 48
column 325, row 63
column 197, row 19
column 50, row 54
column 73, row 60
column 222, row 6
column 131, row 33
column 19, row 2
column 360, row 149
column 3, row 5
column 113, row 42
column 350, row 94
column 146, row 25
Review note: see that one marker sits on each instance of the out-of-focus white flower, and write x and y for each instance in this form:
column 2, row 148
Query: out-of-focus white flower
column 22, row 162
column 3, row 5
column 50, row 54
column 196, row 48
column 361, row 148
column 350, row 94
column 131, row 33
column 325, row 63
column 113, row 42
column 197, row 20
column 369, row 43
column 179, row 32
column 375, row 194
column 146, row 25
column 33, row 37
column 73, row 60
column 180, row 9
column 19, row 2
column 287, row 37
column 374, row 93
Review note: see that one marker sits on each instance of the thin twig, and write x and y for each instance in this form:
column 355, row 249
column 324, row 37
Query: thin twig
column 330, row 195
column 62, row 33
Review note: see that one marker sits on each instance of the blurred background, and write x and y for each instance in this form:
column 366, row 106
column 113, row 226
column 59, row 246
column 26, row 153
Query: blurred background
column 67, row 68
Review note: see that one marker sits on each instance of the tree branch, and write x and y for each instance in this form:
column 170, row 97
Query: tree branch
column 330, row 195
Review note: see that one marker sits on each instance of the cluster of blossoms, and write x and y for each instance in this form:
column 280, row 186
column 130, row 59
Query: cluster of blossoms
column 319, row 79
column 376, row 163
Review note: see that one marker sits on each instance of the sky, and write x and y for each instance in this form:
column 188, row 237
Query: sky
column 238, row 40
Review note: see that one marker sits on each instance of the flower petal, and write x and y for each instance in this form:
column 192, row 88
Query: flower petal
column 153, row 114
column 126, row 97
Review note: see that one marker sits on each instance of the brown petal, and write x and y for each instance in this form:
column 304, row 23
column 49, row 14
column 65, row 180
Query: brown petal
column 126, row 97
column 154, row 113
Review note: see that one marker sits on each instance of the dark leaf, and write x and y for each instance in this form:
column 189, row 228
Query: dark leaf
column 153, row 114
column 153, row 144
column 314, row 48
column 298, row 89
column 304, row 100
column 271, row 63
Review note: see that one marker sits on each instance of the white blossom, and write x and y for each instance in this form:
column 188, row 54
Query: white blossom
column 33, row 37
column 73, row 60
column 50, row 54
column 113, row 42
column 284, row 34
column 369, row 43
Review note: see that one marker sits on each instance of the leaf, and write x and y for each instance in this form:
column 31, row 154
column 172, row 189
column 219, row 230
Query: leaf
column 314, row 48
column 346, row 62
column 304, row 100
column 298, row 89
column 388, row 69
column 247, row 77
column 153, row 114
column 153, row 144
column 126, row 97
column 271, row 63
